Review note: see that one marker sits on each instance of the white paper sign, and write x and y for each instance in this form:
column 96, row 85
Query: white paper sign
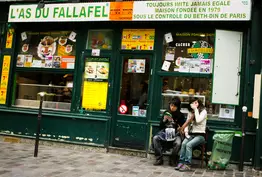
column 72, row 36
column 168, row 37
column 95, row 52
column 170, row 57
column 23, row 36
column 166, row 65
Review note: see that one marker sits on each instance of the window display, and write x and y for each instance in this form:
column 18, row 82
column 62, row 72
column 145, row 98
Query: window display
column 57, row 89
column 100, row 39
column 47, row 50
column 95, row 84
column 188, row 52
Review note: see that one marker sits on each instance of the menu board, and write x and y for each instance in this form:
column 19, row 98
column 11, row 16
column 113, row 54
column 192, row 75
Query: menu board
column 4, row 78
column 138, row 39
column 47, row 50
column 95, row 84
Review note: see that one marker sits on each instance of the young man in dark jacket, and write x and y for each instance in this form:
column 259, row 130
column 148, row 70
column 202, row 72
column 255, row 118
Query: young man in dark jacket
column 172, row 119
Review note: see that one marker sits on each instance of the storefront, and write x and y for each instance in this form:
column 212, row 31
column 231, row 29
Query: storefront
column 108, row 70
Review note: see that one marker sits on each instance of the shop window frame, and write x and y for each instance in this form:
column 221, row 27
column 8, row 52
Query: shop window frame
column 160, row 74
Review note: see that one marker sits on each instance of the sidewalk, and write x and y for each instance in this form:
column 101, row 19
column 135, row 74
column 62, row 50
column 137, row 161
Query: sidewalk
column 16, row 160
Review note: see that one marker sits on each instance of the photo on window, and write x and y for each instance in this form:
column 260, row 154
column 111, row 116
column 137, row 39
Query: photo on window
column 188, row 52
column 100, row 39
column 47, row 50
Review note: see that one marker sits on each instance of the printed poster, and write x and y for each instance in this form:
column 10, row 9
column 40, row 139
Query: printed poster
column 138, row 39
column 48, row 48
column 94, row 95
column 96, row 70
column 136, row 66
column 227, row 111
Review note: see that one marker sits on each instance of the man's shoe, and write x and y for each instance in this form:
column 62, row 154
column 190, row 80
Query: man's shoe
column 158, row 162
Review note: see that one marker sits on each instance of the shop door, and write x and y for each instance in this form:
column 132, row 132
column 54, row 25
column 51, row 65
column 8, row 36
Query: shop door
column 133, row 102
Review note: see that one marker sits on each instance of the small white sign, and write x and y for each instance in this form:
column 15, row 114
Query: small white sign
column 166, row 65
column 23, row 36
column 95, row 52
column 168, row 37
column 72, row 36
column 170, row 57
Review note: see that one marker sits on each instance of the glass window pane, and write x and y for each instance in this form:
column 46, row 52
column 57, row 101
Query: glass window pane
column 47, row 50
column 134, row 86
column 189, row 52
column 95, row 84
column 100, row 39
column 188, row 88
column 57, row 88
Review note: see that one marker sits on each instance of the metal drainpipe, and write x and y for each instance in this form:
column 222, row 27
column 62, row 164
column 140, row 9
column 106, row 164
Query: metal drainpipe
column 244, row 113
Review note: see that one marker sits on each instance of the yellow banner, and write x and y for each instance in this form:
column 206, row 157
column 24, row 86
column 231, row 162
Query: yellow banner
column 94, row 95
column 138, row 39
column 200, row 50
column 4, row 78
column 9, row 39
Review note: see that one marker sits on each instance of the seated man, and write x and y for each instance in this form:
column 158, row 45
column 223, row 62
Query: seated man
column 166, row 138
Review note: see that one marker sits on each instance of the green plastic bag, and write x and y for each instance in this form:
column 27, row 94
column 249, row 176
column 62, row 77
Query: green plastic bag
column 221, row 151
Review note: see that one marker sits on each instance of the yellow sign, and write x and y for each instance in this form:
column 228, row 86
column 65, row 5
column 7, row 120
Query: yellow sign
column 200, row 50
column 4, row 78
column 94, row 95
column 9, row 39
column 138, row 39
column 2, row 96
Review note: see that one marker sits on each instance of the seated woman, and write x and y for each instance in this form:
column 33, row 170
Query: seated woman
column 166, row 139
column 196, row 126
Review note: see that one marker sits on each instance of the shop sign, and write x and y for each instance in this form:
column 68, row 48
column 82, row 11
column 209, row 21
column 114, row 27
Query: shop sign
column 180, row 10
column 60, row 12
column 192, row 10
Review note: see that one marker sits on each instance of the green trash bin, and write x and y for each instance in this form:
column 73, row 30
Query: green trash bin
column 221, row 151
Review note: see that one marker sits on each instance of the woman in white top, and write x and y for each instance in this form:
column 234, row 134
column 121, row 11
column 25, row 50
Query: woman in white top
column 194, row 129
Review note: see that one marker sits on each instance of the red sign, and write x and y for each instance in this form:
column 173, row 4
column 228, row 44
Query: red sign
column 122, row 109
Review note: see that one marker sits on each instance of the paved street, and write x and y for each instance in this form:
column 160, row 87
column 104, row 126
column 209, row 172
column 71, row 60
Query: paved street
column 16, row 160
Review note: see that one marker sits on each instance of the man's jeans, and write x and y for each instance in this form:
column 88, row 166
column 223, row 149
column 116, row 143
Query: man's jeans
column 187, row 146
column 159, row 145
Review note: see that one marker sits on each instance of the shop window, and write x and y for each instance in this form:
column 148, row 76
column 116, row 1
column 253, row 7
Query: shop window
column 188, row 52
column 100, row 39
column 188, row 88
column 57, row 89
column 188, row 58
column 47, row 50
column 95, row 84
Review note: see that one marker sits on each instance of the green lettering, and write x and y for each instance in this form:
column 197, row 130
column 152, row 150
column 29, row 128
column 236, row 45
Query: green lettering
column 103, row 12
column 45, row 12
column 90, row 10
column 28, row 13
column 37, row 13
column 12, row 13
column 21, row 14
column 97, row 11
column 61, row 13
column 74, row 12
column 68, row 15
column 82, row 12
column 55, row 12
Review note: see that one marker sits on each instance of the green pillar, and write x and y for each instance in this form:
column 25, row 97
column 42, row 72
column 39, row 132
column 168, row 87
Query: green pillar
column 256, row 55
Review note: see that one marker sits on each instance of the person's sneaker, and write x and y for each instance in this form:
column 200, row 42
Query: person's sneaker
column 158, row 162
column 185, row 168
column 180, row 165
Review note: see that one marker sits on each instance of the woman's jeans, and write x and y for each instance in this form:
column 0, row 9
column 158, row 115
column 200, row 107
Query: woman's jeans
column 187, row 146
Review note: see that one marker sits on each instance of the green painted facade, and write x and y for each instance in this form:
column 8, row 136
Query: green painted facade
column 108, row 129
